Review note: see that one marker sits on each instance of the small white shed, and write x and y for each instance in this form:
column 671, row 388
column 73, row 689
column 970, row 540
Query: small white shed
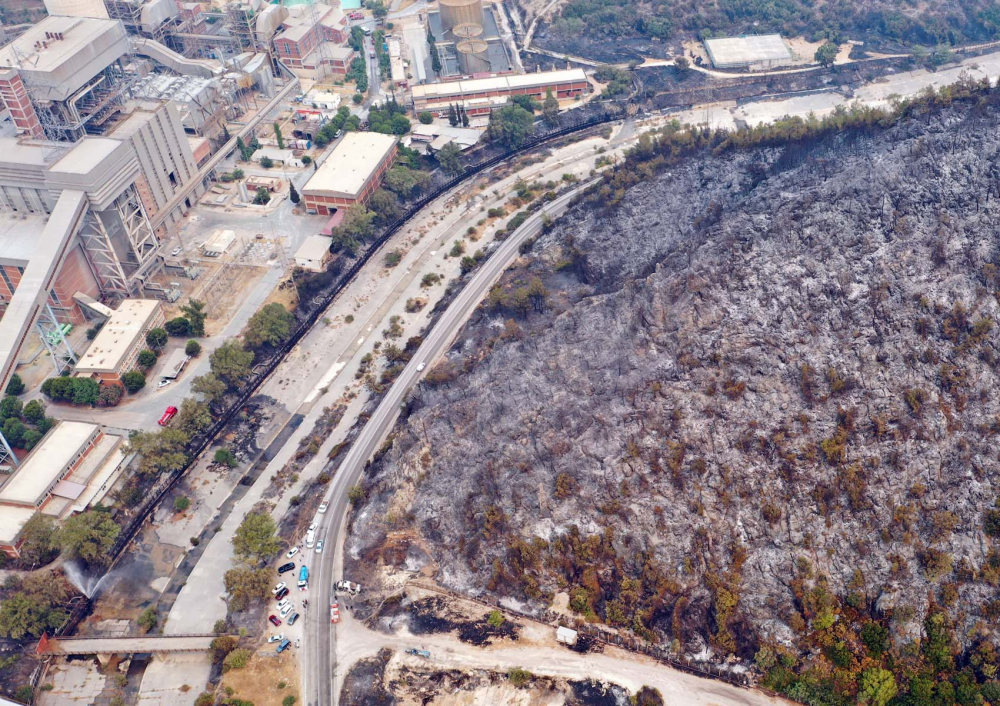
column 566, row 636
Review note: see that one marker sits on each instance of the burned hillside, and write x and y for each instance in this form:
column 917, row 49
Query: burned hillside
column 743, row 399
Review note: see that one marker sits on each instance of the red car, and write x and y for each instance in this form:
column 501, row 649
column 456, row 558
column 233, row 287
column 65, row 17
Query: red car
column 167, row 416
column 274, row 620
column 281, row 594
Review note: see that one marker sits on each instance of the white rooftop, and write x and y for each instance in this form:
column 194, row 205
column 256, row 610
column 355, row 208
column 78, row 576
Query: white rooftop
column 117, row 336
column 88, row 45
column 12, row 519
column 45, row 463
column 351, row 164
column 19, row 234
column 87, row 154
column 497, row 83
column 315, row 247
column 730, row 51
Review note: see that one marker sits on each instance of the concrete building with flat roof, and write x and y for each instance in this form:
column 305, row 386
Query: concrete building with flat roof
column 72, row 467
column 115, row 349
column 480, row 96
column 352, row 172
column 750, row 52
column 314, row 253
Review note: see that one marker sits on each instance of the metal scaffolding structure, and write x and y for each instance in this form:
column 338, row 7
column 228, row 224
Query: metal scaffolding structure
column 240, row 24
column 54, row 339
column 88, row 110
column 101, row 255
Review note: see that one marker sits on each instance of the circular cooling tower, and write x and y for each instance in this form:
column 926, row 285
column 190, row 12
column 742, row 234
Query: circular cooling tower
column 467, row 31
column 76, row 8
column 472, row 58
column 460, row 12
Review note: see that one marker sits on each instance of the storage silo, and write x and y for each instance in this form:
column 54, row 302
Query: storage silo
column 460, row 12
column 76, row 8
column 472, row 56
column 467, row 31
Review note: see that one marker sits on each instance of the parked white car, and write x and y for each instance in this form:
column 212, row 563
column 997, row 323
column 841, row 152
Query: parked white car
column 323, row 507
column 275, row 638
column 286, row 610
column 292, row 552
column 277, row 588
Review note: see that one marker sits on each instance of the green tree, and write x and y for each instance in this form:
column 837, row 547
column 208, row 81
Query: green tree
column 464, row 115
column 876, row 687
column 34, row 411
column 13, row 431
column 550, row 107
column 356, row 228
column 156, row 338
column 15, row 386
column 827, row 54
column 194, row 417
column 293, row 195
column 518, row 676
column 263, row 196
column 450, row 158
column 85, row 391
column 452, row 115
column 278, row 136
column 89, row 536
column 526, row 102
column 38, row 540
column 226, row 457
column 148, row 619
column 30, row 439
column 270, row 325
column 159, row 452
column 495, row 618
column 208, row 385
column 378, row 8
column 257, row 537
column 181, row 503
column 425, row 118
column 246, row 584
column 109, row 395
column 288, row 700
column 231, row 363
column 192, row 348
column 241, row 146
column 510, row 126
column 133, row 381
column 194, row 311
column 405, row 181
column 36, row 607
column 306, row 160
column 146, row 359
column 385, row 206
column 10, row 408
column 178, row 326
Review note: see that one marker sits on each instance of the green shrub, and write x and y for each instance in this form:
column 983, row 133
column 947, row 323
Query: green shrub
column 237, row 659
column 148, row 619
column 518, row 676
column 192, row 348
column 181, row 504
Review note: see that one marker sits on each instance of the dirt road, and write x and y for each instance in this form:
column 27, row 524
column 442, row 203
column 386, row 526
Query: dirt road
column 544, row 658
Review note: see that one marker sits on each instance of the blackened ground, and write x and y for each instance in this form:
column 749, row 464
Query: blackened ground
column 364, row 685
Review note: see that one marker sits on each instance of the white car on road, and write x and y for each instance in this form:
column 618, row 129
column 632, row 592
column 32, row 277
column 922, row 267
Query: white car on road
column 323, row 506
column 319, row 547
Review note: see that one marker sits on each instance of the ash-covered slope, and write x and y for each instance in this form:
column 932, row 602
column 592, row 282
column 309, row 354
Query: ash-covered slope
column 760, row 399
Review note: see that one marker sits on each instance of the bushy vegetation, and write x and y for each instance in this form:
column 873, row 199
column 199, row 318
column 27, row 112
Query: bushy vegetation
column 390, row 119
column 878, row 22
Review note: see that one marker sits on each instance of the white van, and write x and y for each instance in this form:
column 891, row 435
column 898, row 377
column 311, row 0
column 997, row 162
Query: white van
column 310, row 538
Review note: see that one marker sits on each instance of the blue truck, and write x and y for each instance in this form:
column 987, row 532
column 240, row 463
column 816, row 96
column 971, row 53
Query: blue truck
column 303, row 577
